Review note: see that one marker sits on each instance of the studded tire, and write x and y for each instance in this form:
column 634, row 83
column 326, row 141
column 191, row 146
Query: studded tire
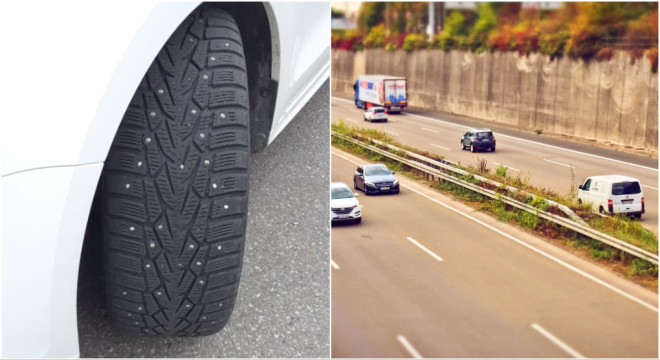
column 175, row 185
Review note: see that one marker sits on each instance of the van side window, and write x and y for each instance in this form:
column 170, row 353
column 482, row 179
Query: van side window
column 586, row 185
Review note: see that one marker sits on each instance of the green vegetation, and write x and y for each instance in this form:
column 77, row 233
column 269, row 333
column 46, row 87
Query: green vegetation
column 620, row 227
column 583, row 30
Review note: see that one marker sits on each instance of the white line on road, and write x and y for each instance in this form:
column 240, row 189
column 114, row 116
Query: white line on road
column 538, row 251
column 558, row 163
column 557, row 342
column 411, row 350
column 650, row 187
column 441, row 147
column 353, row 121
column 425, row 249
column 431, row 130
column 392, row 132
column 334, row 264
column 528, row 141
column 508, row 167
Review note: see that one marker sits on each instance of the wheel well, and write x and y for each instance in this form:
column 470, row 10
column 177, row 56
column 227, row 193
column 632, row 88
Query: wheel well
column 254, row 25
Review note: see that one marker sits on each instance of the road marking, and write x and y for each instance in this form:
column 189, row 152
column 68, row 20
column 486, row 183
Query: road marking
column 392, row 132
column 431, row 130
column 411, row 350
column 508, row 167
column 528, row 141
column 650, row 187
column 558, row 163
column 441, row 147
column 334, row 264
column 538, row 251
column 557, row 342
column 353, row 121
column 425, row 249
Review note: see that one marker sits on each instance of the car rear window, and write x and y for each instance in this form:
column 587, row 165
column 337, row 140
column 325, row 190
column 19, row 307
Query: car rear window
column 379, row 111
column 626, row 188
column 376, row 170
column 483, row 135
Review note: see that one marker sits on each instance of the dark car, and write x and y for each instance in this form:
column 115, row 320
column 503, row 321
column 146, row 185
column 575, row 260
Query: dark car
column 478, row 139
column 375, row 178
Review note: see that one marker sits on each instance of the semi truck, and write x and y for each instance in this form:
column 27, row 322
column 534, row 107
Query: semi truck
column 387, row 91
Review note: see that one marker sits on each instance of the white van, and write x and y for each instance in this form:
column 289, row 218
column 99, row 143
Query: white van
column 614, row 194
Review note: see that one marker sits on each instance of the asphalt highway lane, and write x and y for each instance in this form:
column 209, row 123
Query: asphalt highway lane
column 545, row 166
column 420, row 277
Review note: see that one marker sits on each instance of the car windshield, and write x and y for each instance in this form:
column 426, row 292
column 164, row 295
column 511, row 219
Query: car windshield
column 379, row 111
column 376, row 170
column 342, row 193
column 626, row 188
column 483, row 135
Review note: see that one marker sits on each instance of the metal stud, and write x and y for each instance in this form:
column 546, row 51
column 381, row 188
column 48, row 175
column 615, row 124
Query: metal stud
column 124, row 293
column 153, row 113
column 152, row 245
column 226, row 44
column 226, row 207
column 147, row 140
column 206, row 162
column 215, row 186
column 219, row 247
column 205, row 77
column 188, row 306
column 137, row 323
column 139, row 163
column 160, row 227
column 140, row 308
column 181, row 166
column 222, row 115
column 128, row 186
column 147, row 266
column 199, row 263
column 203, row 317
column 201, row 282
column 220, row 305
column 192, row 246
column 212, row 58
column 132, row 228
column 158, row 293
column 129, row 314
column 202, row 135
column 160, row 91
column 193, row 111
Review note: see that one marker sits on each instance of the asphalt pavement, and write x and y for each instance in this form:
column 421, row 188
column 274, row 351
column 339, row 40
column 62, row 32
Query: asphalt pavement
column 545, row 162
column 425, row 275
column 283, row 305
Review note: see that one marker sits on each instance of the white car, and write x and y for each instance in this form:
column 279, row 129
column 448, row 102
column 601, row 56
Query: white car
column 343, row 204
column 613, row 194
column 155, row 107
column 375, row 113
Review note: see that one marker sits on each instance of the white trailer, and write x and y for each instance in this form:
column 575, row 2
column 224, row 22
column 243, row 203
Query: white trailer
column 387, row 91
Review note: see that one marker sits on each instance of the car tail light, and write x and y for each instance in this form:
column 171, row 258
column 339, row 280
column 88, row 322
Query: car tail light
column 610, row 205
column 643, row 210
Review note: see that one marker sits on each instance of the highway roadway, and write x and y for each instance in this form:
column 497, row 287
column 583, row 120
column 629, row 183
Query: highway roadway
column 425, row 276
column 547, row 162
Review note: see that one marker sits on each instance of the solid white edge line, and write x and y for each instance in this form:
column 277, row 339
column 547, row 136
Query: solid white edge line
column 334, row 264
column 392, row 132
column 441, row 147
column 508, row 167
column 650, row 187
column 353, row 121
column 558, row 163
column 540, row 252
column 529, row 141
column 431, row 130
column 411, row 350
column 557, row 342
column 434, row 255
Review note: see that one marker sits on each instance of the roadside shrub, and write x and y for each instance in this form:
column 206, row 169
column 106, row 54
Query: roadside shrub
column 527, row 220
column 415, row 42
column 642, row 267
column 501, row 171
column 652, row 55
column 376, row 37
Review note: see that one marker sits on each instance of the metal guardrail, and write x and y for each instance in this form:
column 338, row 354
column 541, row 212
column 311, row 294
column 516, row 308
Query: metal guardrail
column 567, row 223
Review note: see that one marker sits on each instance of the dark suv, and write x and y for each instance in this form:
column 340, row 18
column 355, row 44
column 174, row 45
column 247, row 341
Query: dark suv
column 375, row 178
column 478, row 139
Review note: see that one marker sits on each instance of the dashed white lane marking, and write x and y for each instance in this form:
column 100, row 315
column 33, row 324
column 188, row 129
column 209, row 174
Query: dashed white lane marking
column 353, row 121
column 431, row 130
column 650, row 187
column 392, row 132
column 557, row 342
column 434, row 255
column 558, row 163
column 508, row 167
column 411, row 349
column 441, row 147
column 334, row 264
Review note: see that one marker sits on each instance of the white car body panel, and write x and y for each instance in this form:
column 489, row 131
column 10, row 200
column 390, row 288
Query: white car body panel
column 56, row 137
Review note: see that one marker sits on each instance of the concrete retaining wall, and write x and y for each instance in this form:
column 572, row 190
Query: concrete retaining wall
column 614, row 101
